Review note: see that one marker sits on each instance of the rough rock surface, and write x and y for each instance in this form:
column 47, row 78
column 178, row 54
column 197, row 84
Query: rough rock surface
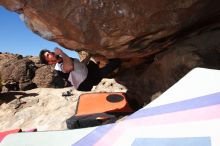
column 44, row 76
column 25, row 73
column 17, row 72
column 199, row 49
column 125, row 29
column 43, row 108
column 159, row 41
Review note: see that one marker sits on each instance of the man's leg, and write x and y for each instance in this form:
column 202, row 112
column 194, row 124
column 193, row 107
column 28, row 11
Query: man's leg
column 95, row 74
column 93, row 77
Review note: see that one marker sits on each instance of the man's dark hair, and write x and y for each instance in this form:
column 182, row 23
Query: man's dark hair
column 42, row 57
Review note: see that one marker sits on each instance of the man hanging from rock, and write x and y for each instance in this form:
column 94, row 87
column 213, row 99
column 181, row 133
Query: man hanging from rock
column 81, row 76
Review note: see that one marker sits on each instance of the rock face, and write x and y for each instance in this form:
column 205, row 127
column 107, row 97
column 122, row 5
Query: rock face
column 25, row 73
column 199, row 49
column 44, row 76
column 125, row 29
column 41, row 108
column 159, row 41
column 17, row 72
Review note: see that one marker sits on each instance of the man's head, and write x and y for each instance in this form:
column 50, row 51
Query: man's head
column 48, row 57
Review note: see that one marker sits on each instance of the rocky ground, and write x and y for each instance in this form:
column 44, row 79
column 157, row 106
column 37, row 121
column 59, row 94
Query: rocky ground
column 158, row 47
column 44, row 108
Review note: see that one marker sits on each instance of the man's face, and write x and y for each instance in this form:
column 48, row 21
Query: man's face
column 50, row 57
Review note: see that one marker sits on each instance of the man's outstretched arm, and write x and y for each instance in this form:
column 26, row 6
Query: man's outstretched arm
column 68, row 64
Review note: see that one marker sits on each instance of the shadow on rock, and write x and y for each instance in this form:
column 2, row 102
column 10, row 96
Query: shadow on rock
column 9, row 96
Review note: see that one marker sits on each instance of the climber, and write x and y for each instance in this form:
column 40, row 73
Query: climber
column 81, row 76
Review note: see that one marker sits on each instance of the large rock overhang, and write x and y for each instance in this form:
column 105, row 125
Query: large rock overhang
column 122, row 29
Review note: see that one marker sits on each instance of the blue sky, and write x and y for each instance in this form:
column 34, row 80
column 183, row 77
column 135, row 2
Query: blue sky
column 17, row 38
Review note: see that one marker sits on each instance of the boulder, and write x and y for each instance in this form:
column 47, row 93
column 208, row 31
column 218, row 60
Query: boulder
column 199, row 49
column 46, row 77
column 17, row 73
column 158, row 41
column 123, row 29
column 25, row 73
